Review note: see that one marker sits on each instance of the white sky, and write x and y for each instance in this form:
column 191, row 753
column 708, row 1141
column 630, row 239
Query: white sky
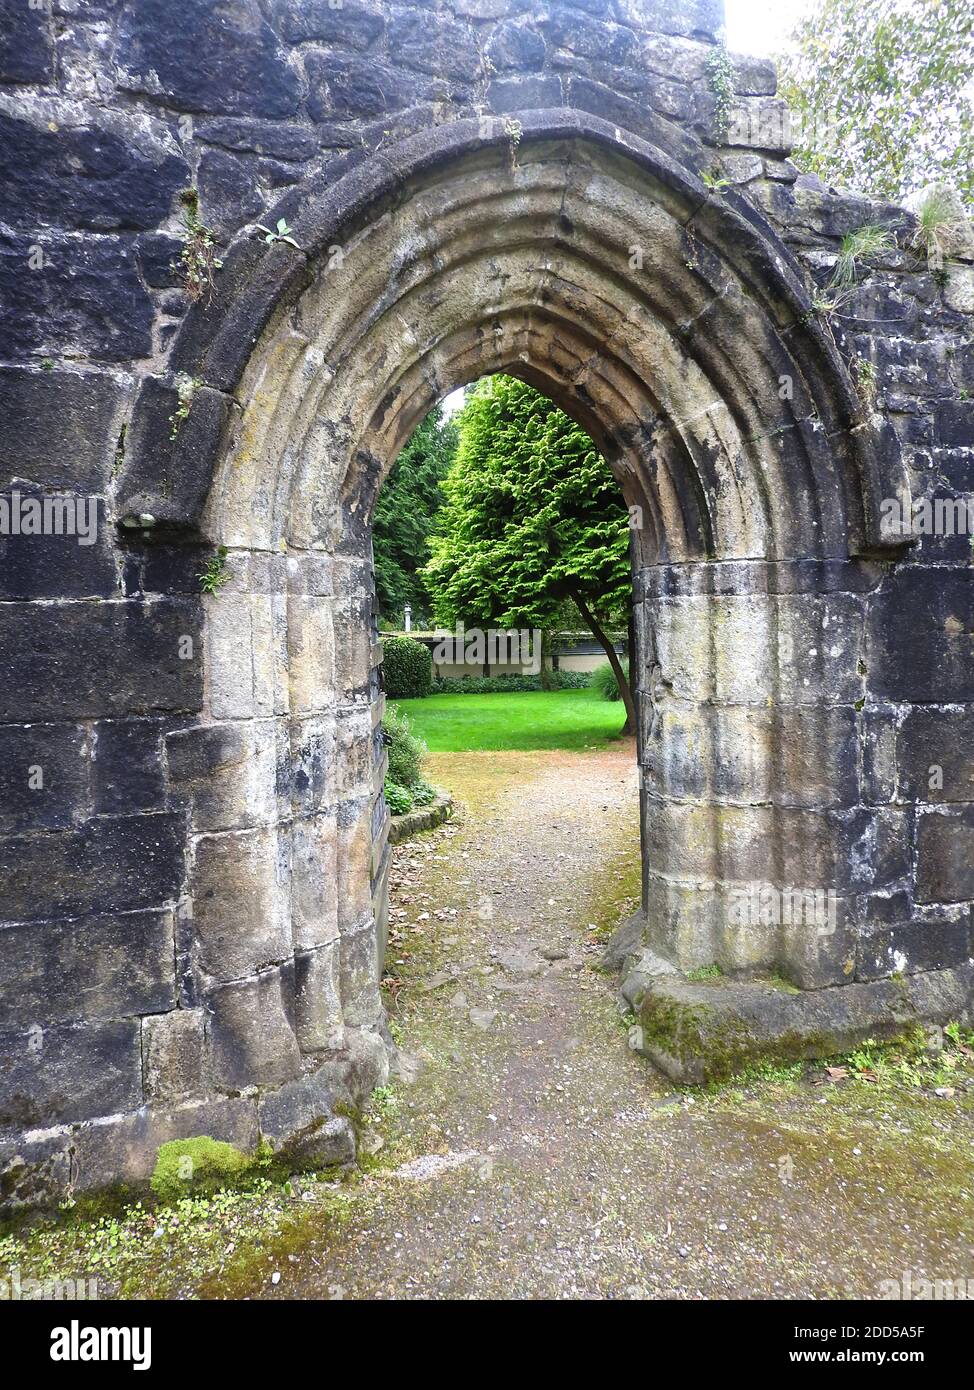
column 760, row 27
column 452, row 403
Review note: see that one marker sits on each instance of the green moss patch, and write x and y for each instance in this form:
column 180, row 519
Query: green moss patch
column 187, row 1166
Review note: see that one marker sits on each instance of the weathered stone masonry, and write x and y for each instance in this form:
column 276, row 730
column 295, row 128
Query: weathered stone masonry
column 193, row 895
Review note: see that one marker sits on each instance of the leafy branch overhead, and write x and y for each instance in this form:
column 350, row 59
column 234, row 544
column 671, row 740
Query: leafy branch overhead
column 881, row 92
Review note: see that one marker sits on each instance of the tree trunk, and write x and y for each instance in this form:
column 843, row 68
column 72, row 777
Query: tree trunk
column 546, row 681
column 608, row 647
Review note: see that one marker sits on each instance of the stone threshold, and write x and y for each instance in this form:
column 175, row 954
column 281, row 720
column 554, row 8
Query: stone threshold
column 701, row 1031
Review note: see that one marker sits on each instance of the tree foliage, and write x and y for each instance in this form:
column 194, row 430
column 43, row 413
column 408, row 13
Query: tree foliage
column 533, row 518
column 532, row 512
column 884, row 93
column 404, row 516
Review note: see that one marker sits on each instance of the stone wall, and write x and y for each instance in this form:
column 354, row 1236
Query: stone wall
column 193, row 851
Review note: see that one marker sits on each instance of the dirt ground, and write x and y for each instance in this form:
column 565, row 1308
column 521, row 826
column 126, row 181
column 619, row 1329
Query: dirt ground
column 527, row 1153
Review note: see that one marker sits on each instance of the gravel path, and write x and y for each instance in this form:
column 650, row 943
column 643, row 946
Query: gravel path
column 527, row 1153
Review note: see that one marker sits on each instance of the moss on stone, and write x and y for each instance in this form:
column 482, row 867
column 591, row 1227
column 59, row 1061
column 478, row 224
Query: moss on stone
column 185, row 1166
column 705, row 972
column 715, row 1048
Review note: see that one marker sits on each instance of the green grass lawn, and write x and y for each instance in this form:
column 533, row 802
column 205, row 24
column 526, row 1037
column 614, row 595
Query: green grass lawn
column 531, row 719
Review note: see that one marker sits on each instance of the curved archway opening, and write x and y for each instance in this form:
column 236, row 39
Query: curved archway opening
column 671, row 327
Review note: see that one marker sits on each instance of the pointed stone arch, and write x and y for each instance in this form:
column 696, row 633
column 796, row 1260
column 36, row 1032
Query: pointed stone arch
column 673, row 324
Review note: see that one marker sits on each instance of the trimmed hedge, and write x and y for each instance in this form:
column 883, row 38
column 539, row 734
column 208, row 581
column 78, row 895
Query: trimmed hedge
column 407, row 668
column 508, row 685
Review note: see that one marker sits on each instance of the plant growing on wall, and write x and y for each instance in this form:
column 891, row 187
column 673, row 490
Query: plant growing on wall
column 198, row 260
column 186, row 388
column 282, row 232
column 215, row 573
column 720, row 75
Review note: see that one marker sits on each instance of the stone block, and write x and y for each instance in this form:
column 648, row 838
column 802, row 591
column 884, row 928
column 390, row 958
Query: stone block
column 85, row 300
column 109, row 864
column 516, row 46
column 158, row 256
column 174, row 1055
column 761, row 123
column 802, row 756
column 349, row 25
column 919, row 636
column 911, row 947
column 810, row 849
column 229, row 193
column 317, row 1002
column 69, row 1072
column 507, row 96
column 86, row 968
column 199, row 58
column 797, row 649
column 361, row 1002
column 445, row 50
column 35, row 1169
column 86, row 661
column 945, row 856
column 696, row 1032
column 225, row 774
column 61, row 427
column 299, row 1117
column 588, row 36
column 72, row 557
column 43, row 776
column 313, row 763
column 124, row 1148
column 878, row 732
column 702, row 20
column 313, row 652
column 314, row 880
column 126, row 766
column 110, row 173
column 935, row 754
column 354, row 859
column 347, row 87
column 353, row 751
column 168, row 457
column 239, row 887
column 251, row 1033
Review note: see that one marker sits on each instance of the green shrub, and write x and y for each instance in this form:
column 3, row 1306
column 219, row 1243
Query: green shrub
column 603, row 680
column 398, row 799
column 406, row 751
column 423, row 794
column 508, row 685
column 407, row 668
column 185, row 1166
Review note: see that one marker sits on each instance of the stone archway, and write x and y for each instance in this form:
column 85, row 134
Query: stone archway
column 193, row 905
column 673, row 325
